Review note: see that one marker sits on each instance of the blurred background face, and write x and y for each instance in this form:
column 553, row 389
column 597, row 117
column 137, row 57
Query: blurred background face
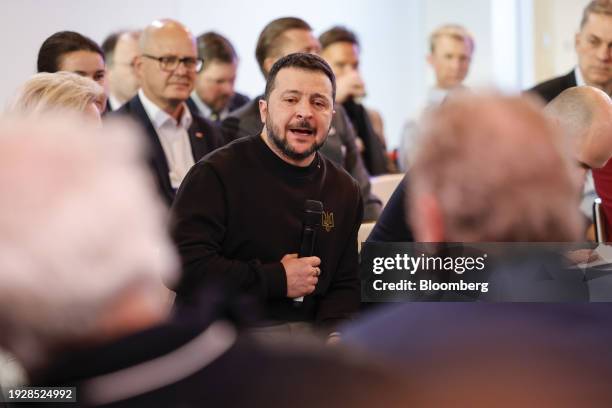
column 122, row 79
column 343, row 57
column 167, row 88
column 291, row 41
column 594, row 49
column 88, row 64
column 450, row 61
column 215, row 84
column 85, row 63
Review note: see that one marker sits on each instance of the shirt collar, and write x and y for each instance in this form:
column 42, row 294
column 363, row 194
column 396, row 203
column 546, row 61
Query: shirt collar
column 159, row 117
column 114, row 102
column 204, row 109
column 579, row 77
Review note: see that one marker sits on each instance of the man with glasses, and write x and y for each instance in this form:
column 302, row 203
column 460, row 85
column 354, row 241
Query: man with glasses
column 167, row 68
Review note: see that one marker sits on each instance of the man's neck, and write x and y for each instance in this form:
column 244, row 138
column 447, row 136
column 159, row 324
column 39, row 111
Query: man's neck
column 299, row 163
column 173, row 108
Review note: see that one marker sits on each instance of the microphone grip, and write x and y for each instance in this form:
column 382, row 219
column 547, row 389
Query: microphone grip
column 306, row 248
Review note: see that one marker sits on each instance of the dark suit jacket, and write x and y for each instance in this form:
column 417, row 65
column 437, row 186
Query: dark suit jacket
column 339, row 147
column 236, row 102
column 550, row 89
column 203, row 136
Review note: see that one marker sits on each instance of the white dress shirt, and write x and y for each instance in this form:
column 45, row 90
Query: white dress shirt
column 205, row 109
column 174, row 138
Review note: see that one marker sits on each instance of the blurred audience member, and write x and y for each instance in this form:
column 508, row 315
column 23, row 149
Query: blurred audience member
column 503, row 355
column 341, row 49
column 121, row 50
column 279, row 38
column 584, row 114
column 53, row 92
column 451, row 47
column 581, row 115
column 166, row 69
column 474, row 181
column 82, row 303
column 593, row 44
column 73, row 52
column 214, row 94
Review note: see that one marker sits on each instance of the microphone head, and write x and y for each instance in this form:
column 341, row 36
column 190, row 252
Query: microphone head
column 312, row 213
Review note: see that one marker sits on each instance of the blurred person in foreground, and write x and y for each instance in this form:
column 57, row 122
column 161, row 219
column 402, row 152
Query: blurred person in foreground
column 581, row 117
column 473, row 181
column 46, row 92
column 84, row 253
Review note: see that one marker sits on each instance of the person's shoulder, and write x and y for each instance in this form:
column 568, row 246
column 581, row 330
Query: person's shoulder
column 336, row 174
column 549, row 89
column 238, row 101
column 231, row 156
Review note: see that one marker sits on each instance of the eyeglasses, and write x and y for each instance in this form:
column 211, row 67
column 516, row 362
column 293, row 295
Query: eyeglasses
column 171, row 62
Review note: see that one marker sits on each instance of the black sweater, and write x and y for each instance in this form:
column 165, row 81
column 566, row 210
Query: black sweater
column 239, row 211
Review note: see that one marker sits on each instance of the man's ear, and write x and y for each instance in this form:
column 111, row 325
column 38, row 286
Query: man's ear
column 137, row 66
column 427, row 219
column 263, row 110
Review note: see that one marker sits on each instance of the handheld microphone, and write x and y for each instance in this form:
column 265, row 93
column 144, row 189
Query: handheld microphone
column 311, row 221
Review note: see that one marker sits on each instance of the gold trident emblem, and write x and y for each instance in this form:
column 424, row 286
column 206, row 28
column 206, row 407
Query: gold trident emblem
column 327, row 220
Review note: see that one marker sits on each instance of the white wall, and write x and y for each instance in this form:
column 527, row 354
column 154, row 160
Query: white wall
column 553, row 40
column 393, row 35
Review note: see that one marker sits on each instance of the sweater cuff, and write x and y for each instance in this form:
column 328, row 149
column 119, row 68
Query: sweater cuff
column 275, row 280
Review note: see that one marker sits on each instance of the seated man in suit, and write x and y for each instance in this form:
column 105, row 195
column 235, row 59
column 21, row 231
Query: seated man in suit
column 341, row 49
column 282, row 37
column 167, row 67
column 214, row 94
column 71, row 51
column 121, row 49
column 593, row 45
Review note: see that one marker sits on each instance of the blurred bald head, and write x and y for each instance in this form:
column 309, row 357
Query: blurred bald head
column 490, row 168
column 166, row 83
column 584, row 115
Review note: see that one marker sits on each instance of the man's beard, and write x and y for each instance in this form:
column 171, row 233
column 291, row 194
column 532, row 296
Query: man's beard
column 283, row 145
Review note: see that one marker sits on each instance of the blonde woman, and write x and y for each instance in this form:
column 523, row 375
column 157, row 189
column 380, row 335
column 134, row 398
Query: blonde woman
column 47, row 92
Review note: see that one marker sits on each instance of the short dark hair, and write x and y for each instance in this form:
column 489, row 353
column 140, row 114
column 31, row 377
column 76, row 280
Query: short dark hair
column 300, row 60
column 108, row 46
column 596, row 7
column 61, row 43
column 338, row 34
column 267, row 43
column 213, row 46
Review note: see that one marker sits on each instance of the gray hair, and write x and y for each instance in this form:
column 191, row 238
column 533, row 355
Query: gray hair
column 81, row 227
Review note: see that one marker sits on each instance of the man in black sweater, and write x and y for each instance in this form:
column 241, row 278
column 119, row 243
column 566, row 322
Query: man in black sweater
column 238, row 214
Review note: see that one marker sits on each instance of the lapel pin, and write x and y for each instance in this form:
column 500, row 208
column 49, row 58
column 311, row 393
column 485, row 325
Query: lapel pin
column 199, row 135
